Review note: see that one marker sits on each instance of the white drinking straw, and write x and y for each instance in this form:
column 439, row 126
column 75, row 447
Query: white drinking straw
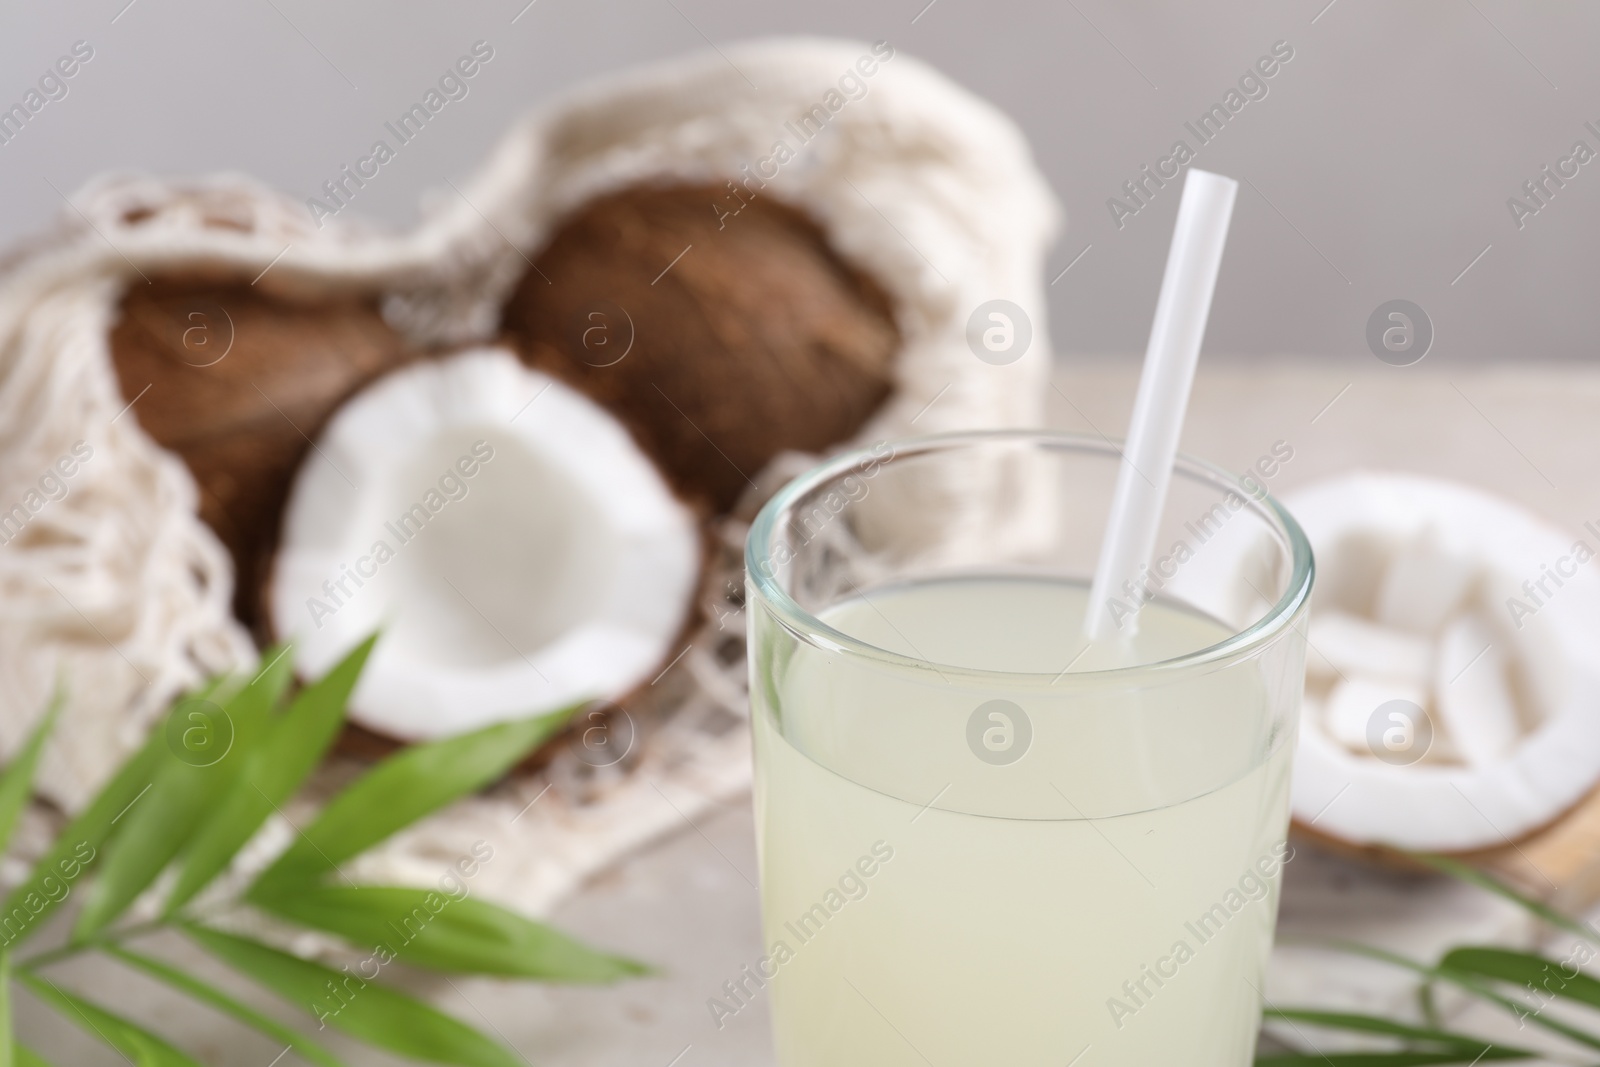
column 1169, row 362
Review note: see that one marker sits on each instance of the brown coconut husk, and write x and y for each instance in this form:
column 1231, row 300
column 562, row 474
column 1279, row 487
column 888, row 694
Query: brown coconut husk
column 749, row 335
column 238, row 383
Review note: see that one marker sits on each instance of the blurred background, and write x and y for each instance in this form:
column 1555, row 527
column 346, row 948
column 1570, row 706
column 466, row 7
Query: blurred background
column 1378, row 166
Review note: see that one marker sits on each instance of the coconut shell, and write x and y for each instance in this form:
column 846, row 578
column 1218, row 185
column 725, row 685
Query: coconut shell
column 718, row 339
column 1558, row 862
column 240, row 382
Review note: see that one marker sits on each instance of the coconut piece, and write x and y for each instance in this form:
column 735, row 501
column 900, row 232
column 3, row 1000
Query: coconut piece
column 236, row 381
column 1473, row 694
column 517, row 548
column 1429, row 806
column 719, row 343
column 1542, row 673
column 1355, row 701
column 1343, row 644
column 1423, row 585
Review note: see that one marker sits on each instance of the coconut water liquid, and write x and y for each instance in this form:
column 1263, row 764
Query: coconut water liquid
column 931, row 897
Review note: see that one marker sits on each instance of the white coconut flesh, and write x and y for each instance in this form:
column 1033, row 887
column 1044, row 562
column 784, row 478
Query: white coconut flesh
column 1421, row 597
column 517, row 549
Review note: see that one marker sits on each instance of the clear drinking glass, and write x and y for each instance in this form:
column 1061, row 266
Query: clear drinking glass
column 982, row 842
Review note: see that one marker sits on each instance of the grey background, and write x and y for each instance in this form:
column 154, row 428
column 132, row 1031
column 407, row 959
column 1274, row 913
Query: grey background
column 1379, row 164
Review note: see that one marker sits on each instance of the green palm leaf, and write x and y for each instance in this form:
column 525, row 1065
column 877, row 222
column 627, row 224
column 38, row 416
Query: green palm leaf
column 206, row 993
column 138, row 1045
column 48, row 884
column 1523, row 969
column 184, row 786
column 1479, row 1054
column 361, row 1008
column 23, row 1056
column 7, row 1042
column 1477, row 987
column 399, row 791
column 430, row 929
column 189, row 800
column 1471, row 875
column 1446, row 1047
column 293, row 745
column 16, row 785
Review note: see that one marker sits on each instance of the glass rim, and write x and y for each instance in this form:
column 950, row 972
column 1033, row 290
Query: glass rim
column 1239, row 645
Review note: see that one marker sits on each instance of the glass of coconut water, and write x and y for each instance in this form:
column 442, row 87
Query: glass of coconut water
column 982, row 839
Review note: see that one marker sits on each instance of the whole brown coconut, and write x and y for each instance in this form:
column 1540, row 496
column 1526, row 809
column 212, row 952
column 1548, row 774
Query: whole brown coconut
column 718, row 339
column 238, row 383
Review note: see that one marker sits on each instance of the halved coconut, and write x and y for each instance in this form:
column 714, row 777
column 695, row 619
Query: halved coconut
column 517, row 548
column 1436, row 606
